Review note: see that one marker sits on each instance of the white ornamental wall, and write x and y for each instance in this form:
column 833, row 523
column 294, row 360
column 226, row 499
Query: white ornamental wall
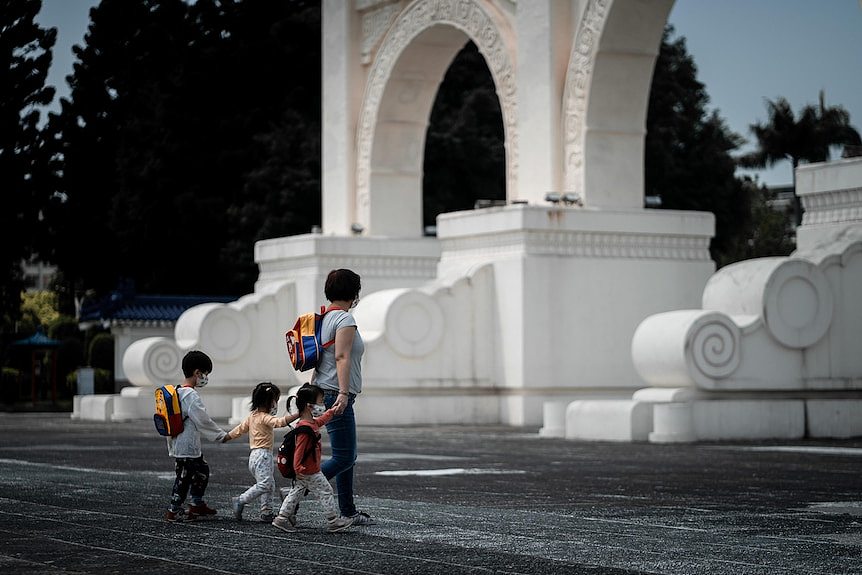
column 775, row 351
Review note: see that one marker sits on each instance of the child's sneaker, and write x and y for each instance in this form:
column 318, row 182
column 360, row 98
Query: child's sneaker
column 202, row 510
column 287, row 524
column 267, row 517
column 175, row 516
column 362, row 519
column 339, row 524
column 236, row 506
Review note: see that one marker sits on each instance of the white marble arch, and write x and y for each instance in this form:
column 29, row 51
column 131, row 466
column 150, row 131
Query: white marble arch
column 606, row 98
column 402, row 84
column 583, row 123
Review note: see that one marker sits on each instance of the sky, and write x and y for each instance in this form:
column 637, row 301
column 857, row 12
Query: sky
column 746, row 51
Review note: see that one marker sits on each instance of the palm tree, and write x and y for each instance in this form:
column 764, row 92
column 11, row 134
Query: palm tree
column 807, row 138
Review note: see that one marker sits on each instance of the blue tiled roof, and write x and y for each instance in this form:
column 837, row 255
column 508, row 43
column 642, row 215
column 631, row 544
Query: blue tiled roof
column 134, row 307
column 38, row 339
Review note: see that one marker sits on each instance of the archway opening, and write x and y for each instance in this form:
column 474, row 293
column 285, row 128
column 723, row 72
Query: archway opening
column 465, row 155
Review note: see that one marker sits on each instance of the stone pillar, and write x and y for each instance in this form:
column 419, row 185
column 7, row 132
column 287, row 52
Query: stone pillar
column 342, row 89
column 544, row 30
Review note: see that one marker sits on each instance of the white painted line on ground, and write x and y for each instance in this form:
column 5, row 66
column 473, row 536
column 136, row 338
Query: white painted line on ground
column 820, row 450
column 449, row 471
column 365, row 457
column 64, row 467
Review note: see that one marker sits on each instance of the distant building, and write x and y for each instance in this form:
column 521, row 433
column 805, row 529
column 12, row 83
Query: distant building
column 782, row 198
column 37, row 274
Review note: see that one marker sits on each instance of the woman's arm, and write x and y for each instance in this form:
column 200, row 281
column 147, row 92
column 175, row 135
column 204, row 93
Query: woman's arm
column 343, row 346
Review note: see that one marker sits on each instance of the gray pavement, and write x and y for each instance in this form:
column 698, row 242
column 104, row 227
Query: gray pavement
column 83, row 497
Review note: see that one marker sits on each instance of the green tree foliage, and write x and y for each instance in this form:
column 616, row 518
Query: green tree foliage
column 101, row 352
column 25, row 56
column 770, row 231
column 807, row 137
column 465, row 157
column 688, row 150
column 192, row 131
column 42, row 305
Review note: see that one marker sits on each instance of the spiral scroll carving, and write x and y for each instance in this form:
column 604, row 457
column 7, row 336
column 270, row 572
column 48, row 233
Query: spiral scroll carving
column 713, row 347
column 162, row 362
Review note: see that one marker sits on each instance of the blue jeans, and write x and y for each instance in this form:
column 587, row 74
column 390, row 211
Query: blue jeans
column 342, row 440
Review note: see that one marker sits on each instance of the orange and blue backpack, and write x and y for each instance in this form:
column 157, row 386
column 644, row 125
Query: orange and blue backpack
column 304, row 345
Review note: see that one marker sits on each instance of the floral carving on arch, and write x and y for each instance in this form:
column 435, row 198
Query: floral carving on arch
column 579, row 77
column 487, row 28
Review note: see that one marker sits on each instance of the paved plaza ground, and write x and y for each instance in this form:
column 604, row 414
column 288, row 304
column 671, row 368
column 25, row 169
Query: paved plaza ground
column 84, row 497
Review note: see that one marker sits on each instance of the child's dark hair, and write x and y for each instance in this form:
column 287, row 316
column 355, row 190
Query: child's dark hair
column 306, row 395
column 196, row 360
column 264, row 395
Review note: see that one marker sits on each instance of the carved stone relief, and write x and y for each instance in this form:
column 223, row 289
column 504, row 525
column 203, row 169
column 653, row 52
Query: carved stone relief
column 491, row 33
column 377, row 16
column 576, row 93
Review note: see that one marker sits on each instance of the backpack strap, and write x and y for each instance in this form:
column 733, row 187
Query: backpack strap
column 180, row 398
column 312, row 436
column 325, row 310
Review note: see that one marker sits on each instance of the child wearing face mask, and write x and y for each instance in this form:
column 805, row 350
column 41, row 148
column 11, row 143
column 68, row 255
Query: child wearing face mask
column 306, row 462
column 193, row 472
column 260, row 426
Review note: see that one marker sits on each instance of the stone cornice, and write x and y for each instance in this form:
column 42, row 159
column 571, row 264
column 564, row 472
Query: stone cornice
column 580, row 244
column 388, row 266
column 839, row 206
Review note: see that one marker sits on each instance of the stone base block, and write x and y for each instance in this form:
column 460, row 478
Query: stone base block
column 672, row 423
column 392, row 409
column 554, row 419
column 719, row 420
column 835, row 418
column 608, row 420
column 134, row 403
column 93, row 407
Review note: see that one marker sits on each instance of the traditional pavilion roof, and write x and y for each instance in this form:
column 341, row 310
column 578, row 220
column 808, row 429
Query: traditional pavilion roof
column 38, row 339
column 127, row 307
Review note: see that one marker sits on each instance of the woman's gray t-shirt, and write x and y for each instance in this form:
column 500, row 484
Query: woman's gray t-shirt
column 325, row 375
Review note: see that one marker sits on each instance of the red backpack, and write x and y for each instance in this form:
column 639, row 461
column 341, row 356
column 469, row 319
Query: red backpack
column 284, row 458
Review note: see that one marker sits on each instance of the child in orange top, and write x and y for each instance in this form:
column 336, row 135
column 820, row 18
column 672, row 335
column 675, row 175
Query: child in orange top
column 306, row 462
column 260, row 426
